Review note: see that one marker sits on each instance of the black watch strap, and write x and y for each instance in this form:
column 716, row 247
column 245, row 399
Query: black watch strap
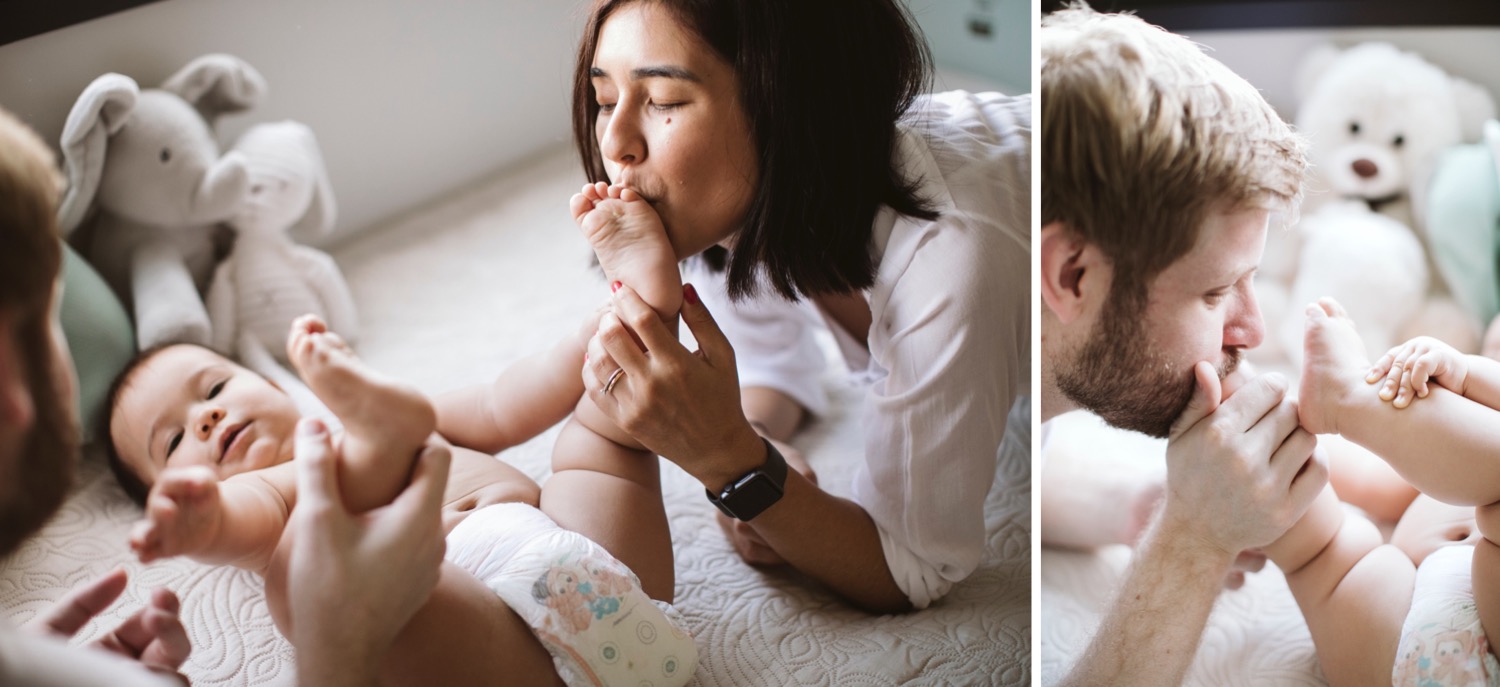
column 756, row 491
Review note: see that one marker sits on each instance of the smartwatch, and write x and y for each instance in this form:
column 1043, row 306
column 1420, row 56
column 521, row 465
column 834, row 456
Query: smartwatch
column 756, row 491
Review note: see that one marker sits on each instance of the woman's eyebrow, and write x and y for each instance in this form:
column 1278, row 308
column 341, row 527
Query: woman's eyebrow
column 662, row 72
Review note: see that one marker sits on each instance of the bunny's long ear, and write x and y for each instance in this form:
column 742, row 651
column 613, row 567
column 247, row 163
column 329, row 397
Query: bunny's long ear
column 100, row 112
column 319, row 218
column 218, row 84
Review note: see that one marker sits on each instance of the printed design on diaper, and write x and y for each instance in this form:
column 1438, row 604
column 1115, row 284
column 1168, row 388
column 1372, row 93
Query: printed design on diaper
column 1437, row 654
column 580, row 592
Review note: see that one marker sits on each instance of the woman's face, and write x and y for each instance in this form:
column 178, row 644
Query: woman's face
column 671, row 127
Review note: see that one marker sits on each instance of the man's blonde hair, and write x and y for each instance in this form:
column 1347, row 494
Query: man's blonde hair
column 30, row 186
column 1143, row 135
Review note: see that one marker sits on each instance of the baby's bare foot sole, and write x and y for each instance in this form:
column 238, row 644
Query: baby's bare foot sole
column 366, row 402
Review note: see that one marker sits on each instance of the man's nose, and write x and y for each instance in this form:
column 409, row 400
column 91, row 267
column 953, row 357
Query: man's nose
column 1245, row 327
column 208, row 418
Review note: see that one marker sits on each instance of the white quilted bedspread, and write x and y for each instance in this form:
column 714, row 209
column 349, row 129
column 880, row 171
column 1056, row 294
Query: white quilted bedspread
column 1255, row 636
column 449, row 296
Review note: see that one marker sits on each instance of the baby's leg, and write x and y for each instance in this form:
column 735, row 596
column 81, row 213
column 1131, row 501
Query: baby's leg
column 603, row 484
column 612, row 495
column 1353, row 591
column 463, row 635
column 631, row 243
column 378, row 414
column 1365, row 480
column 1444, row 445
column 1487, row 570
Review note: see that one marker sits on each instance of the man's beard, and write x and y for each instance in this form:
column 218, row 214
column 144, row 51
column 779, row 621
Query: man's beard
column 43, row 471
column 1122, row 379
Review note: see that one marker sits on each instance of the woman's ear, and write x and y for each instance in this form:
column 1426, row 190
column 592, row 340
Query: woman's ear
column 17, row 410
column 1070, row 267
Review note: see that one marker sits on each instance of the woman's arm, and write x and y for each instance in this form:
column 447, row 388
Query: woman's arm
column 686, row 407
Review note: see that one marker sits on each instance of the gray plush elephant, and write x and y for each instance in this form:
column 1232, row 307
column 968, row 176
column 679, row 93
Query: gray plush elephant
column 148, row 188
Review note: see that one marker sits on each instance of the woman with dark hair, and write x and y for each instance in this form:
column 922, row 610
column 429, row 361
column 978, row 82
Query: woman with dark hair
column 789, row 145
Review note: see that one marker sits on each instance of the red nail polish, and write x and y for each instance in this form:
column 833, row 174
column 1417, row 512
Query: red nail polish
column 690, row 294
column 614, row 287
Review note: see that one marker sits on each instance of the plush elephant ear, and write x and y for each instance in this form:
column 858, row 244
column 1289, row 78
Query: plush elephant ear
column 100, row 112
column 218, row 84
column 318, row 220
column 1314, row 64
column 1475, row 107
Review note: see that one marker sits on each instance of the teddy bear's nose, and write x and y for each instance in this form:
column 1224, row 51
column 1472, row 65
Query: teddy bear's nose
column 1365, row 169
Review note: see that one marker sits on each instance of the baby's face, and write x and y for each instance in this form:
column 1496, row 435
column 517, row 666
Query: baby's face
column 187, row 405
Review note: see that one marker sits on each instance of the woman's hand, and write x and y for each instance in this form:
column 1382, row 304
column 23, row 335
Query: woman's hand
column 154, row 635
column 683, row 405
column 353, row 581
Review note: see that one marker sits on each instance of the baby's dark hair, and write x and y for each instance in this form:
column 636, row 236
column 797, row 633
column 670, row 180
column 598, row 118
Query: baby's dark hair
column 131, row 482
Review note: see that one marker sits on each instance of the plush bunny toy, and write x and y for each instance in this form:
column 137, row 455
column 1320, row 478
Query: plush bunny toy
column 268, row 281
column 144, row 166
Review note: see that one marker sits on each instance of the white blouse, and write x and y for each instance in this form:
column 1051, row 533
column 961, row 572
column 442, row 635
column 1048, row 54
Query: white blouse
column 949, row 344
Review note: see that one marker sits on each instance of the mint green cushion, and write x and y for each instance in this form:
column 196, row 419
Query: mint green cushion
column 99, row 335
column 1463, row 227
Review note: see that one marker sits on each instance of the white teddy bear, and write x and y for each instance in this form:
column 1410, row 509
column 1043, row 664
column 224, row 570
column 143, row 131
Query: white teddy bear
column 1377, row 118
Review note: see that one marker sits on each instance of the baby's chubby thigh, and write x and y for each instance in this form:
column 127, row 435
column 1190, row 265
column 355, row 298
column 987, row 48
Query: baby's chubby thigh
column 462, row 635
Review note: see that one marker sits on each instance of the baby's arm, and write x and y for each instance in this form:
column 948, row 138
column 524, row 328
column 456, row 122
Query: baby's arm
column 191, row 513
column 1353, row 590
column 527, row 398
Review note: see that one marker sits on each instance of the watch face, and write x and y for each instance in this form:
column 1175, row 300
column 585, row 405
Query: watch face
column 751, row 495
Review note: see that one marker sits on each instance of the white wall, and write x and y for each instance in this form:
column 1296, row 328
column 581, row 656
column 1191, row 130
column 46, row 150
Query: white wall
column 1269, row 58
column 410, row 100
column 999, row 61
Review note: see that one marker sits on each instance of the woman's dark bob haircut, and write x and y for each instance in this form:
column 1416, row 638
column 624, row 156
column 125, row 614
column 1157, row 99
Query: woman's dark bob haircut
column 823, row 83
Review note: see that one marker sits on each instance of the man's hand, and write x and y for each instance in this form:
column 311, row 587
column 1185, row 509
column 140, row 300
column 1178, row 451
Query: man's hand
column 154, row 635
column 1240, row 473
column 353, row 581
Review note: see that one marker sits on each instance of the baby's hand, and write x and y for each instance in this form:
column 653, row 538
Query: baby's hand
column 182, row 514
column 1407, row 368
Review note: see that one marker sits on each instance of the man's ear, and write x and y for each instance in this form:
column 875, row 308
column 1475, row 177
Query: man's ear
column 17, row 411
column 1071, row 268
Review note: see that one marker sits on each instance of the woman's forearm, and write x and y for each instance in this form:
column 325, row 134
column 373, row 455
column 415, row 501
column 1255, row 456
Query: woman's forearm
column 834, row 541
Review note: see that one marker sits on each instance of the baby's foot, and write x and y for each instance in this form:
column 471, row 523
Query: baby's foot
column 1333, row 365
column 369, row 405
column 632, row 245
column 182, row 515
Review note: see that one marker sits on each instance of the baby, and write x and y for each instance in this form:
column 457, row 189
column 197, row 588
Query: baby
column 1402, row 612
column 211, row 442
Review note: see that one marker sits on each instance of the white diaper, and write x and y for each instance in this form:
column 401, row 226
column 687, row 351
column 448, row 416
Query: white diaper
column 585, row 606
column 1442, row 642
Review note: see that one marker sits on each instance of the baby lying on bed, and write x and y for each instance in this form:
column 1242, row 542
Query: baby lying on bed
column 1414, row 612
column 212, row 441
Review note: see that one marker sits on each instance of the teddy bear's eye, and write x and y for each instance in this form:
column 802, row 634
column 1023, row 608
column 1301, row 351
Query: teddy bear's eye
column 1398, row 141
column 1354, row 128
column 166, row 155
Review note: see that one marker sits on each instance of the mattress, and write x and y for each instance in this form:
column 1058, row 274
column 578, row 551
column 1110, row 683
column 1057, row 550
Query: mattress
column 1255, row 635
column 449, row 295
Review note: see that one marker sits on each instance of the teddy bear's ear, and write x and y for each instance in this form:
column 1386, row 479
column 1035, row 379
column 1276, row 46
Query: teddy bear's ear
column 1314, row 64
column 319, row 218
column 218, row 84
column 98, row 113
column 1475, row 107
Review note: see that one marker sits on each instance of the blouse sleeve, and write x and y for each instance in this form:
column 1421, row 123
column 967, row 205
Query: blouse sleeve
column 952, row 331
